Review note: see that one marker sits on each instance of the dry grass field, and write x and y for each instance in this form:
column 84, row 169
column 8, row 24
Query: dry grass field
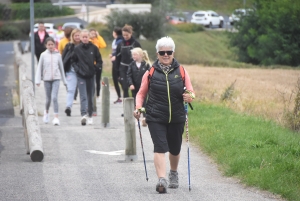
column 263, row 92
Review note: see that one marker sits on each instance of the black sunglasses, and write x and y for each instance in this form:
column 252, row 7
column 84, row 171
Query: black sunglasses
column 162, row 53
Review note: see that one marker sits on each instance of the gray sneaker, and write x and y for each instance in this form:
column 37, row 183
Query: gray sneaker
column 161, row 185
column 173, row 179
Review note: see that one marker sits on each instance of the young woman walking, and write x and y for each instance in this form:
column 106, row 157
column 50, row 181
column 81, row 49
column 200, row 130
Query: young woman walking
column 51, row 70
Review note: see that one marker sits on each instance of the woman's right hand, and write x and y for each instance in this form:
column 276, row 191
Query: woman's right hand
column 132, row 87
column 137, row 114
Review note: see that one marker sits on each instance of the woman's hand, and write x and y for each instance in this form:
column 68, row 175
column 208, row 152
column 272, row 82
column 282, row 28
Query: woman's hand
column 113, row 58
column 38, row 85
column 187, row 97
column 137, row 114
column 132, row 87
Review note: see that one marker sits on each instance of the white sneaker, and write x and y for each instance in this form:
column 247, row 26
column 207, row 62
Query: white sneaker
column 83, row 120
column 75, row 102
column 46, row 117
column 98, row 99
column 90, row 121
column 55, row 121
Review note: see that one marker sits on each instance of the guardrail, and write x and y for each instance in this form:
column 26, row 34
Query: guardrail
column 32, row 133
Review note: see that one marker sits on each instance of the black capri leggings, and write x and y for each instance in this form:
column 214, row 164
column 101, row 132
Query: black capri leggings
column 166, row 137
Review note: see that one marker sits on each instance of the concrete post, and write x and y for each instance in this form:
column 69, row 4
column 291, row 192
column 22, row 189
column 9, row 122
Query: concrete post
column 130, row 150
column 105, row 102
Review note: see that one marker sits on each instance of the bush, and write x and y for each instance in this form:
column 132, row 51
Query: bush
column 21, row 11
column 270, row 35
column 188, row 27
column 149, row 25
column 9, row 32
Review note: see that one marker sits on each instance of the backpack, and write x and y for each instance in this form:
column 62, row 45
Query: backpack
column 182, row 73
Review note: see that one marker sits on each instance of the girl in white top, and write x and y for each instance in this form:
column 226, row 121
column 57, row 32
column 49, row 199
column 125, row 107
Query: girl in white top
column 50, row 70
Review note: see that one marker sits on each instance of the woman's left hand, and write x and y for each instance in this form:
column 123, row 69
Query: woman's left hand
column 187, row 98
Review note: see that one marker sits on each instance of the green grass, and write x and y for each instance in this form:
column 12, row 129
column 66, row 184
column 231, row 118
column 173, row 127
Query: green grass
column 258, row 152
column 209, row 48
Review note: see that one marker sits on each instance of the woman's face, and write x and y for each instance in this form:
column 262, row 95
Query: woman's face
column 114, row 34
column 136, row 56
column 165, row 55
column 126, row 35
column 76, row 37
column 93, row 34
column 84, row 37
column 50, row 46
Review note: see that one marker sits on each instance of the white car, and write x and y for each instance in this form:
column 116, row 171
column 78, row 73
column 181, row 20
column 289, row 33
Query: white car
column 77, row 25
column 237, row 14
column 207, row 18
column 50, row 29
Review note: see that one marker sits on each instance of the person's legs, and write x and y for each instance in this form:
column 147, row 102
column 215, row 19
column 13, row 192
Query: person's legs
column 76, row 93
column 54, row 94
column 83, row 95
column 123, row 77
column 71, row 85
column 90, row 91
column 98, row 84
column 48, row 89
column 116, row 80
column 174, row 137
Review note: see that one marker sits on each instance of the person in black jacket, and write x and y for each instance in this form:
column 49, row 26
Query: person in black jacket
column 123, row 56
column 87, row 60
column 136, row 70
column 39, row 40
column 69, row 69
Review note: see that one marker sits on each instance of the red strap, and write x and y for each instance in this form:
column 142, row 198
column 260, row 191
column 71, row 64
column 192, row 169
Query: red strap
column 182, row 72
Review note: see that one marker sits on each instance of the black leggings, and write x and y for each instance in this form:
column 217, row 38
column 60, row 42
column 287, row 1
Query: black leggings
column 98, row 84
column 115, row 76
column 123, row 80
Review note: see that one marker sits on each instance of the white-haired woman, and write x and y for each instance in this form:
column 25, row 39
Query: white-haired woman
column 164, row 83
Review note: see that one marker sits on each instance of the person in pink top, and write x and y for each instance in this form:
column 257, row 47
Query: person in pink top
column 39, row 40
column 167, row 88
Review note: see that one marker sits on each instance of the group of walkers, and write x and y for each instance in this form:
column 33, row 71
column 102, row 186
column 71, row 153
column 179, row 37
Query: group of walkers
column 160, row 90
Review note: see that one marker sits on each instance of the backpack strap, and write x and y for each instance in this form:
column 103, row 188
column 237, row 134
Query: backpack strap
column 182, row 73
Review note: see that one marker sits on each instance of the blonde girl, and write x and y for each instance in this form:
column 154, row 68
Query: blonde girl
column 136, row 70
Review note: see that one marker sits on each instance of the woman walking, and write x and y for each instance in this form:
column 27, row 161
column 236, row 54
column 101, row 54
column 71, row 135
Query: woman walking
column 123, row 56
column 50, row 69
column 117, row 34
column 164, row 83
column 69, row 69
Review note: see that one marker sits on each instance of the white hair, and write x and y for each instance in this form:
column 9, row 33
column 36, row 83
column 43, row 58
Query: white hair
column 165, row 42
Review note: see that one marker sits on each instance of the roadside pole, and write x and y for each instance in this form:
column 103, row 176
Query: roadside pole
column 87, row 11
column 32, row 48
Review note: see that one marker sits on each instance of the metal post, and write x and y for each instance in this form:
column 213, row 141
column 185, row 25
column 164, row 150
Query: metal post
column 129, row 124
column 32, row 42
column 87, row 11
column 60, row 4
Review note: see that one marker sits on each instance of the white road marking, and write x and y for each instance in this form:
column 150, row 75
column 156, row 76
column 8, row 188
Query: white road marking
column 2, row 65
column 10, row 52
column 111, row 153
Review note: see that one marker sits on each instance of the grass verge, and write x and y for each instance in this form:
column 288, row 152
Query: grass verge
column 258, row 152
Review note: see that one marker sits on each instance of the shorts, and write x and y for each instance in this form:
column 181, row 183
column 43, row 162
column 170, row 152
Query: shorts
column 166, row 137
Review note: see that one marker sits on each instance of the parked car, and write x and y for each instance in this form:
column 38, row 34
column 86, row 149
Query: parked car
column 207, row 18
column 77, row 25
column 238, row 14
column 175, row 20
column 50, row 29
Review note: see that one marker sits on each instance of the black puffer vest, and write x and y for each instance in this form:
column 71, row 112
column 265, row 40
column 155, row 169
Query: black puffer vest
column 165, row 101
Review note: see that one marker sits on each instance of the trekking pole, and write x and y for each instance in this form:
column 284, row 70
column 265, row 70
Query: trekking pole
column 142, row 149
column 187, row 140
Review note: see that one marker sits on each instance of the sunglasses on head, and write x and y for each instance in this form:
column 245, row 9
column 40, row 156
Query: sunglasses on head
column 162, row 53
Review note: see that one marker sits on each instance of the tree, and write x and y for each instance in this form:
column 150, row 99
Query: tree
column 270, row 35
